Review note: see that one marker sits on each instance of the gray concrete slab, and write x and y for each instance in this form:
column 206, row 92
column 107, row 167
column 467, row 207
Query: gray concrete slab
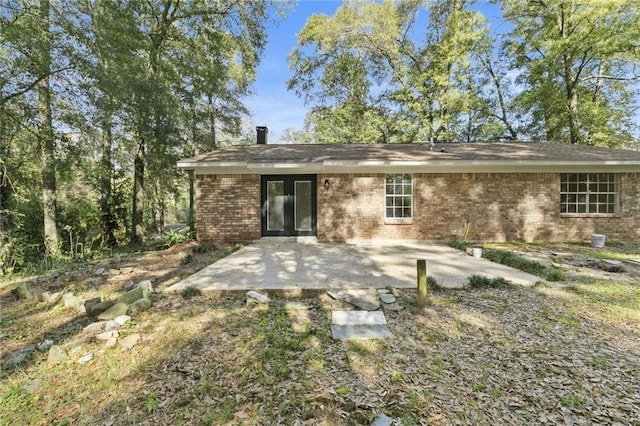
column 358, row 318
column 277, row 264
column 360, row 332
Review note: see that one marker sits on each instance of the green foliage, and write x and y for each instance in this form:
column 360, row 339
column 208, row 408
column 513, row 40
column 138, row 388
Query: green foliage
column 576, row 75
column 173, row 237
column 203, row 248
column 190, row 292
column 509, row 258
column 480, row 281
column 159, row 80
column 152, row 402
column 555, row 275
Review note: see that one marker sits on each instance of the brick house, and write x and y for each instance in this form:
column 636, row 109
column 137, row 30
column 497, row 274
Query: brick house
column 477, row 191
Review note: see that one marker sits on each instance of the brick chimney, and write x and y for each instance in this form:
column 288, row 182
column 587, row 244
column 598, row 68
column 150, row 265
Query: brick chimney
column 262, row 134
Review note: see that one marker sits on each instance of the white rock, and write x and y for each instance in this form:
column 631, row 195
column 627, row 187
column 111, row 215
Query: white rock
column 110, row 325
column 129, row 341
column 122, row 319
column 100, row 271
column 85, row 359
column 94, row 326
column 255, row 297
column 45, row 345
column 146, row 284
column 111, row 342
column 107, row 335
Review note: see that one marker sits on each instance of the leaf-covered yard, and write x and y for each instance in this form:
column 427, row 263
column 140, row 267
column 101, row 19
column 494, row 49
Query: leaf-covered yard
column 567, row 354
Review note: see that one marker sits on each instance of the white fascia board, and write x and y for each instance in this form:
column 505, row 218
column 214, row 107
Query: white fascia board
column 285, row 168
column 487, row 166
column 386, row 166
column 211, row 164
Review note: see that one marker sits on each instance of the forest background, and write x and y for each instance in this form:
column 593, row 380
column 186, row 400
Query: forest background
column 100, row 98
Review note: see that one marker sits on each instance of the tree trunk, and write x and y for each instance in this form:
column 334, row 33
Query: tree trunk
column 212, row 123
column 572, row 102
column 109, row 222
column 6, row 191
column 191, row 219
column 138, row 194
column 503, row 109
column 46, row 139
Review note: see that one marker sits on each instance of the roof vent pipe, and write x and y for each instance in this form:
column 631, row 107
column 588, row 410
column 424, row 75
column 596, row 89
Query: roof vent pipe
column 262, row 134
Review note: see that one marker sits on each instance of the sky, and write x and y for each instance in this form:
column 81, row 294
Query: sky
column 272, row 105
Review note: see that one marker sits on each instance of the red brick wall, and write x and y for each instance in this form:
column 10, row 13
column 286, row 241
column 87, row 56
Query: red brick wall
column 489, row 206
column 228, row 207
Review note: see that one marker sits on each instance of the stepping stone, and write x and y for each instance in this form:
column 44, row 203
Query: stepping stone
column 387, row 298
column 360, row 332
column 383, row 420
column 358, row 318
column 359, row 325
column 383, row 291
column 392, row 307
column 364, row 304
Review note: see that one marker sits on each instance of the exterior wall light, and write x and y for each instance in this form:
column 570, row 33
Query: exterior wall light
column 326, row 184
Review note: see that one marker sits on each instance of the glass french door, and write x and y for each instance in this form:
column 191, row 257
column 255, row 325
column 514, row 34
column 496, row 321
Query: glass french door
column 289, row 205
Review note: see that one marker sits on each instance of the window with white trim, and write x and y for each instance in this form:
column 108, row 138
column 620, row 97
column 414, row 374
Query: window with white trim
column 588, row 193
column 398, row 196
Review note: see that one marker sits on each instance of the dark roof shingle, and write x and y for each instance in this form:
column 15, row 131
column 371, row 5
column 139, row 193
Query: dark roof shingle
column 508, row 152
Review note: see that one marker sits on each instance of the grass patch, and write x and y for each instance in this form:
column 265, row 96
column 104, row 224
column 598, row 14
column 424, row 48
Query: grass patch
column 190, row 292
column 509, row 258
column 480, row 281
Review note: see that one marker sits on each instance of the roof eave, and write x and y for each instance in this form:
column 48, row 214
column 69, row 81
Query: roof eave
column 388, row 166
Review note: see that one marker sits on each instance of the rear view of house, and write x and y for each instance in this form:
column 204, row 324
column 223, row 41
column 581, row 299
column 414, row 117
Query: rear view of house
column 477, row 191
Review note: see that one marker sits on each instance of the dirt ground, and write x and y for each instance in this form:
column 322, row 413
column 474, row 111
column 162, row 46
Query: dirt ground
column 565, row 353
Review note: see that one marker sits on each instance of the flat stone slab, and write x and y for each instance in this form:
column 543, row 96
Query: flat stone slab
column 346, row 325
column 348, row 332
column 387, row 298
column 358, row 318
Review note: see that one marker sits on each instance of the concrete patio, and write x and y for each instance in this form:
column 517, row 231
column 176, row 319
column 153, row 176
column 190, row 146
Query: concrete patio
column 304, row 264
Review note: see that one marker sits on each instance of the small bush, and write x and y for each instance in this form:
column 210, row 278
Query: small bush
column 556, row 275
column 171, row 238
column 203, row 248
column 190, row 292
column 433, row 283
column 509, row 258
column 480, row 281
column 186, row 260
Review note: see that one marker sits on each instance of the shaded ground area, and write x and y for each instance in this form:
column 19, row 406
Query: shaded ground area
column 274, row 264
column 516, row 355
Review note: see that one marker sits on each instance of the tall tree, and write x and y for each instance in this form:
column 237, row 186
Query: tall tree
column 46, row 137
column 577, row 60
column 425, row 85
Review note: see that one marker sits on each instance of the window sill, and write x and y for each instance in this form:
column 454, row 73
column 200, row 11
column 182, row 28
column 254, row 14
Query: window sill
column 398, row 221
column 586, row 215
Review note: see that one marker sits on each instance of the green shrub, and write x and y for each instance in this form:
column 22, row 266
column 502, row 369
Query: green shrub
column 190, row 292
column 480, row 281
column 203, row 248
column 186, row 260
column 171, row 238
column 555, row 275
column 432, row 282
column 509, row 258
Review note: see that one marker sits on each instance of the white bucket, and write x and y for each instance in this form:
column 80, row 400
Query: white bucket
column 598, row 240
column 477, row 252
